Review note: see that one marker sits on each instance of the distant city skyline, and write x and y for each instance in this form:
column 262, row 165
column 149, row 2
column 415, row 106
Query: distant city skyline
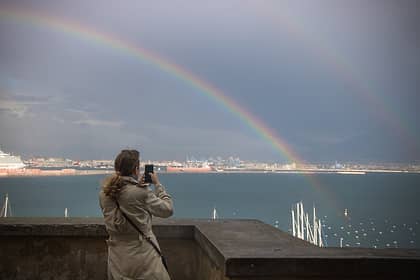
column 220, row 158
column 276, row 81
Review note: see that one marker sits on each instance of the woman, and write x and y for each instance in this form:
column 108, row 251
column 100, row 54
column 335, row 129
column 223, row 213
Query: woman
column 128, row 204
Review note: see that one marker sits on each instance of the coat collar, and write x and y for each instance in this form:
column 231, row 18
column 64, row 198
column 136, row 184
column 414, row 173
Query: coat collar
column 130, row 179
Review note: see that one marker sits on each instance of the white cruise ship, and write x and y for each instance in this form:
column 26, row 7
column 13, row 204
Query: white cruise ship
column 8, row 161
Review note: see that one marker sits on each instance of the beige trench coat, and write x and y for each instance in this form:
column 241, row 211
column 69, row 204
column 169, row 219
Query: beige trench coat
column 129, row 255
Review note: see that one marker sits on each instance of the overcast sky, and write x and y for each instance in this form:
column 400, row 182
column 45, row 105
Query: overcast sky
column 336, row 80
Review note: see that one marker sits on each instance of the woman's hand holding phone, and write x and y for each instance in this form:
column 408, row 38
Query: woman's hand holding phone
column 143, row 181
column 155, row 179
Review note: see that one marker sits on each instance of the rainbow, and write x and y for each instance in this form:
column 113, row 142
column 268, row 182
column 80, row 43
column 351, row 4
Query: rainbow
column 163, row 64
column 211, row 92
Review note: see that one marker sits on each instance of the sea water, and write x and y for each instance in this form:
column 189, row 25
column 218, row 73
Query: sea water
column 382, row 209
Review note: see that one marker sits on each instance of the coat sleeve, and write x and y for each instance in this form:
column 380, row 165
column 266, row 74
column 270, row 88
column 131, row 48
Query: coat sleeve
column 159, row 203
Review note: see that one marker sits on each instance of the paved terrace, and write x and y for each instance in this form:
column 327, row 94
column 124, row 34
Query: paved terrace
column 75, row 248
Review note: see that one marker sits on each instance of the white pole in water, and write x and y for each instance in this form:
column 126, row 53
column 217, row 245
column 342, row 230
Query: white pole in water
column 66, row 214
column 6, row 210
column 320, row 244
column 341, row 242
column 309, row 236
column 214, row 213
column 315, row 228
column 298, row 219
column 6, row 205
column 293, row 223
column 301, row 220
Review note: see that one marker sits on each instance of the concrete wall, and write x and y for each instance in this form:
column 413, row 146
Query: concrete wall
column 52, row 258
column 75, row 248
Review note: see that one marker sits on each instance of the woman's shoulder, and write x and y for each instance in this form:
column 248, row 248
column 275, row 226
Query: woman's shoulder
column 135, row 191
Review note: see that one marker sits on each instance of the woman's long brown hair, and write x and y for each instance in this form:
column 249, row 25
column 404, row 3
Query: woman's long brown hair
column 125, row 164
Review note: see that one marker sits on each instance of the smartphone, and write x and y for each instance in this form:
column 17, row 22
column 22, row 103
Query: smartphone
column 148, row 168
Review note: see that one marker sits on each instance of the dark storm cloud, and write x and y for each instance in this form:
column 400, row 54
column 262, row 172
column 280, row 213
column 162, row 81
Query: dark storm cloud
column 20, row 105
column 302, row 67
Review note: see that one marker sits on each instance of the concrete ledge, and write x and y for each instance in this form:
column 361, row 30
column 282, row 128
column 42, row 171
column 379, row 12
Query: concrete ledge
column 220, row 249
